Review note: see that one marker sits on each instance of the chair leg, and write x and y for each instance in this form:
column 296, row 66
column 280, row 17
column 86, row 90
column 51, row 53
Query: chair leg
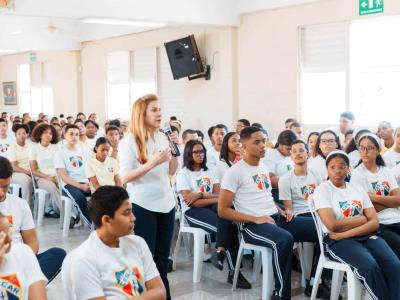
column 67, row 216
column 336, row 286
column 268, row 276
column 306, row 252
column 198, row 256
column 237, row 267
column 317, row 278
column 41, row 199
column 256, row 265
column 353, row 287
column 177, row 245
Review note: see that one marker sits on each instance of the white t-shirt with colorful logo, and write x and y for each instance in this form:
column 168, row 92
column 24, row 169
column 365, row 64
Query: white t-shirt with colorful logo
column 391, row 158
column 318, row 167
column 74, row 162
column 345, row 203
column 252, row 188
column 5, row 145
column 18, row 214
column 114, row 273
column 196, row 181
column 19, row 270
column 277, row 163
column 298, row 189
column 380, row 183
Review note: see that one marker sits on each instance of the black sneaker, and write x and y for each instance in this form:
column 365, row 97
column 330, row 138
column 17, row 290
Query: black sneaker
column 323, row 291
column 217, row 259
column 275, row 296
column 51, row 214
column 242, row 282
column 169, row 266
column 74, row 221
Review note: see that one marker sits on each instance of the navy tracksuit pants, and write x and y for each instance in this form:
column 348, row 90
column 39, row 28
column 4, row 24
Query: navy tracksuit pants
column 280, row 238
column 225, row 231
column 391, row 234
column 373, row 263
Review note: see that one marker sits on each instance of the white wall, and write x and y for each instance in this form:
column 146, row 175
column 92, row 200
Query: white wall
column 65, row 79
column 268, row 47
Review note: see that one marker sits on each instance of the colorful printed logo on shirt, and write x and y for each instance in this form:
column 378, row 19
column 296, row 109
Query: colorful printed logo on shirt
column 381, row 188
column 350, row 208
column 10, row 287
column 110, row 169
column 204, row 184
column 262, row 181
column 3, row 149
column 76, row 161
column 288, row 167
column 130, row 281
column 308, row 190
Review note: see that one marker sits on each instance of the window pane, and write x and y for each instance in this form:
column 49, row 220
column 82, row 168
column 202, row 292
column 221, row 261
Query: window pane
column 322, row 97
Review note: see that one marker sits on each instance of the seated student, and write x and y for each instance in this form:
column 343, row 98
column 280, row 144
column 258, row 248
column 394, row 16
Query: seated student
column 22, row 228
column 70, row 162
column 297, row 129
column 102, row 169
column 91, row 133
column 187, row 135
column 216, row 134
column 350, row 226
column 20, row 274
column 278, row 159
column 327, row 142
column 247, row 185
column 18, row 155
column 200, row 134
column 199, row 188
column 311, row 143
column 380, row 184
column 83, row 139
column 392, row 156
column 41, row 156
column 5, row 139
column 289, row 122
column 240, row 124
column 231, row 153
column 295, row 189
column 112, row 134
column 113, row 263
column 385, row 132
column 352, row 148
column 81, row 116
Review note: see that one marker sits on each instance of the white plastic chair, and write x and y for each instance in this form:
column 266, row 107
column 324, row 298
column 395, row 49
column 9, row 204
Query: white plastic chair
column 39, row 201
column 66, row 209
column 354, row 286
column 306, row 252
column 66, row 276
column 199, row 236
column 263, row 257
column 14, row 189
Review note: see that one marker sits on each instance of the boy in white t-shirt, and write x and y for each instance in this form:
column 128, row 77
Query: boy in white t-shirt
column 20, row 274
column 70, row 162
column 392, row 156
column 5, row 139
column 22, row 228
column 112, row 263
column 247, row 186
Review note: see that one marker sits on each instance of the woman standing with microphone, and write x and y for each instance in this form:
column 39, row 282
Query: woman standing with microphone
column 145, row 163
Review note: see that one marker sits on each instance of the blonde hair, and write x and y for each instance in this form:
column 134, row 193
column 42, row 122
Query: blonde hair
column 138, row 127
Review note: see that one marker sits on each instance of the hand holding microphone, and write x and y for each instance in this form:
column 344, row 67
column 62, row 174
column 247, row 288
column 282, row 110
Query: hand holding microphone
column 173, row 139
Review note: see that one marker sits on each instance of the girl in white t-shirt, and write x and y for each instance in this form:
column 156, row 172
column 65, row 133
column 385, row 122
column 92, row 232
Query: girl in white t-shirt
column 380, row 184
column 350, row 223
column 199, row 188
column 327, row 142
column 352, row 148
column 18, row 155
column 312, row 142
column 231, row 153
column 5, row 139
column 392, row 156
column 20, row 274
column 113, row 263
column 41, row 160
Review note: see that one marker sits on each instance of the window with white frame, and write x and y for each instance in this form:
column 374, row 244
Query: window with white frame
column 35, row 89
column 351, row 66
column 139, row 72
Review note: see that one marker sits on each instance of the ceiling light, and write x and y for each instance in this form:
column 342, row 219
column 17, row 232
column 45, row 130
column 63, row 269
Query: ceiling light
column 122, row 22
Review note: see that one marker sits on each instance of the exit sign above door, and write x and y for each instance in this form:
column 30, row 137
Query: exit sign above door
column 369, row 7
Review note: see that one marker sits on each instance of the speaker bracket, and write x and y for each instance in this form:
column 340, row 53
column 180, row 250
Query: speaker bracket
column 206, row 74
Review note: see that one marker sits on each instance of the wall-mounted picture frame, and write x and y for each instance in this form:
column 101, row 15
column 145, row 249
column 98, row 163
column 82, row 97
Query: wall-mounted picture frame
column 10, row 93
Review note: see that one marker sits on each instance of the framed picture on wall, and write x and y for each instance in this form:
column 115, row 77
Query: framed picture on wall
column 10, row 93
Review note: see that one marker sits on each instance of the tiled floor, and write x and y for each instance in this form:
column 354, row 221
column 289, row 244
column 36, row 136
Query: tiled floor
column 212, row 286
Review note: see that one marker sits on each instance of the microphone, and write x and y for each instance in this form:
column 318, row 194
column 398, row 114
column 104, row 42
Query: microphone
column 174, row 147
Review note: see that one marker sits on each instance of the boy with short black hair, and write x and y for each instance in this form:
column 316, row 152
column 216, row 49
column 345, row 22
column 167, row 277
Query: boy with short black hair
column 113, row 263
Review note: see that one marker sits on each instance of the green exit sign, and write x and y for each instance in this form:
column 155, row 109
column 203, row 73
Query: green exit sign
column 369, row 7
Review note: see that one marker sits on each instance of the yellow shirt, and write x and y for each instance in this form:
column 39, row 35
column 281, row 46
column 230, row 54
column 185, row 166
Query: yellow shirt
column 103, row 171
column 20, row 155
column 44, row 157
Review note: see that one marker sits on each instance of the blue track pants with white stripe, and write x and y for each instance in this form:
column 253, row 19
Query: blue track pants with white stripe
column 373, row 263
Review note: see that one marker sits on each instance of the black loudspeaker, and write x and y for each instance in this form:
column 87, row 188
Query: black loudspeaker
column 184, row 57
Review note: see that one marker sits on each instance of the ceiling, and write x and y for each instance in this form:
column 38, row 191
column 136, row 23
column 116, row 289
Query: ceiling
column 28, row 25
